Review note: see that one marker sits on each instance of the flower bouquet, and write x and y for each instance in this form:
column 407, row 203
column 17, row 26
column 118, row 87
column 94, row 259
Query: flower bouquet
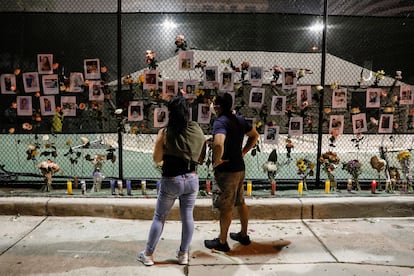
column 353, row 167
column 305, row 169
column 329, row 160
column 404, row 157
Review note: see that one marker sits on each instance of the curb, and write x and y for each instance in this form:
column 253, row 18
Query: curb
column 260, row 209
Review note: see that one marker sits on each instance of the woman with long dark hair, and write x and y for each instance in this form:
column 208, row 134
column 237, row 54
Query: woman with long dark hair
column 179, row 147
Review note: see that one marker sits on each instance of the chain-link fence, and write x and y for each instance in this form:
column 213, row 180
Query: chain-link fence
column 95, row 77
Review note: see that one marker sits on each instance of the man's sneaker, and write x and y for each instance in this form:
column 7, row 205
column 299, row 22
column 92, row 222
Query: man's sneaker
column 146, row 260
column 238, row 237
column 182, row 257
column 217, row 245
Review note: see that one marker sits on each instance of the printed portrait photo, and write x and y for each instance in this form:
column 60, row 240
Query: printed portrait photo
column 151, row 79
column 271, row 134
column 386, row 123
column 45, row 63
column 373, row 97
column 295, row 126
column 68, row 104
column 31, row 82
column 226, row 82
column 289, row 80
column 278, row 105
column 24, row 106
column 76, row 82
column 169, row 89
column 406, row 94
column 204, row 114
column 186, row 60
column 50, row 84
column 339, row 98
column 304, row 96
column 336, row 124
column 256, row 76
column 160, row 116
column 47, row 105
column 256, row 98
column 359, row 123
column 210, row 76
column 8, row 83
column 95, row 91
column 189, row 88
column 92, row 69
column 136, row 111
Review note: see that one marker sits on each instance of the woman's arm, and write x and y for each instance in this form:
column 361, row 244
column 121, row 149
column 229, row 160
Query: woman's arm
column 159, row 146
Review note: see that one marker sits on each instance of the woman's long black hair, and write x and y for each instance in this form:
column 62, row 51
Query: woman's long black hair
column 178, row 118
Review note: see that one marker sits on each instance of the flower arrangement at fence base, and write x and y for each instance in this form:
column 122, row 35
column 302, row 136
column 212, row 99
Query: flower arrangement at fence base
column 305, row 169
column 270, row 166
column 404, row 157
column 379, row 165
column 395, row 177
column 354, row 168
column 48, row 168
column 329, row 160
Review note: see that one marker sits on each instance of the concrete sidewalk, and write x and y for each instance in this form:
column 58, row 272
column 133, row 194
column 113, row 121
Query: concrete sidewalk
column 330, row 207
column 42, row 245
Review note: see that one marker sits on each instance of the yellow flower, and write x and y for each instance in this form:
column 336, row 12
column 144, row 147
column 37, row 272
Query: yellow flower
column 403, row 155
column 141, row 79
column 300, row 162
column 303, row 167
column 199, row 92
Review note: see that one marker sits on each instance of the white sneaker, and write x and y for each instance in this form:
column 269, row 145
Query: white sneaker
column 182, row 257
column 146, row 260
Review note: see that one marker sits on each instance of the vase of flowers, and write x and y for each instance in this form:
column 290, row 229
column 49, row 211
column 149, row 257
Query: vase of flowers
column 354, row 168
column 305, row 169
column 329, row 160
column 404, row 157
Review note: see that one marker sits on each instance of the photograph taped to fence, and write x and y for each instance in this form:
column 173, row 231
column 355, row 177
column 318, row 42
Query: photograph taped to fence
column 359, row 123
column 50, row 84
column 92, row 69
column 227, row 82
column 68, row 104
column 271, row 134
column 336, row 124
column 204, row 114
column 151, row 79
column 186, row 60
column 136, row 111
column 386, row 123
column 256, row 76
column 31, row 82
column 210, row 76
column 373, row 97
column 24, row 106
column 76, row 82
column 339, row 98
column 296, row 126
column 8, row 83
column 406, row 94
column 256, row 97
column 278, row 105
column 160, row 116
column 47, row 105
column 45, row 63
column 95, row 91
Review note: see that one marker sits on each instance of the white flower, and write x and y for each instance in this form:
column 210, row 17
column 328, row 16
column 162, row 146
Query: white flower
column 269, row 166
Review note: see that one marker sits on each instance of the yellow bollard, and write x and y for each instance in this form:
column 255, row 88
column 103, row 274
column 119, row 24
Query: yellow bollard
column 327, row 186
column 249, row 188
column 300, row 188
column 69, row 187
